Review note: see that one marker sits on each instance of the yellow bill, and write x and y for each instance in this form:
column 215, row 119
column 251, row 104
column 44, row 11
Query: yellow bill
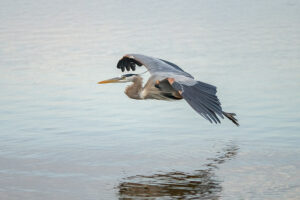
column 113, row 80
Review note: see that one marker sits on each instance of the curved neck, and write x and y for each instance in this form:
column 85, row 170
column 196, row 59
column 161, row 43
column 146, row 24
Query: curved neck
column 133, row 91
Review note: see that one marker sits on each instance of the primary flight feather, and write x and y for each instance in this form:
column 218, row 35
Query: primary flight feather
column 170, row 82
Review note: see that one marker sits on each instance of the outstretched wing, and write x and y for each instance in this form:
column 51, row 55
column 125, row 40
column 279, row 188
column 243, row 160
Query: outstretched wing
column 153, row 65
column 201, row 97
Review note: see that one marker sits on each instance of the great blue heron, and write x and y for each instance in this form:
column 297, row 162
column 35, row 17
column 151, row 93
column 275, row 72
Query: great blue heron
column 170, row 82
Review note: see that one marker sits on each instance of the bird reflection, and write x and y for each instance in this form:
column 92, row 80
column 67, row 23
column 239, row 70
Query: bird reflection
column 199, row 184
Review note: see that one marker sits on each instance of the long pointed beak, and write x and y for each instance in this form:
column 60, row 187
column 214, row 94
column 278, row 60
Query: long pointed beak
column 112, row 80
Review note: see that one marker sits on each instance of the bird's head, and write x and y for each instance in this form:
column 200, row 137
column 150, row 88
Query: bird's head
column 122, row 79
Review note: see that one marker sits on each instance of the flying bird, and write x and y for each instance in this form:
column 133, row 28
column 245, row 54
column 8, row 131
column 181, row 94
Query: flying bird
column 170, row 82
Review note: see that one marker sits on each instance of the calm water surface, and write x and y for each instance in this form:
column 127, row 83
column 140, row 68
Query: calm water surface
column 65, row 137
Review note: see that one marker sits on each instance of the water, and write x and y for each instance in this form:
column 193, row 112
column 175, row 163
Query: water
column 65, row 137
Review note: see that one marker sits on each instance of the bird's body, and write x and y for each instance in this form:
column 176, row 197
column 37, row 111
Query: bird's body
column 155, row 88
column 170, row 82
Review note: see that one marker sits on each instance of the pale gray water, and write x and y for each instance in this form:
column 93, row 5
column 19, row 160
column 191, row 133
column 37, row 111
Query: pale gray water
column 65, row 137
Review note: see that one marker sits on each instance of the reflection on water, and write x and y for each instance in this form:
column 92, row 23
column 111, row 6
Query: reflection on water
column 198, row 184
column 64, row 137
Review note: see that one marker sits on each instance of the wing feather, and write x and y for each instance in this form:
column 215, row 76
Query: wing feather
column 199, row 95
column 172, row 64
column 153, row 65
column 202, row 98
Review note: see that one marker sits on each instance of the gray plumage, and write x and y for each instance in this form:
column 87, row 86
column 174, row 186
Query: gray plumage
column 169, row 82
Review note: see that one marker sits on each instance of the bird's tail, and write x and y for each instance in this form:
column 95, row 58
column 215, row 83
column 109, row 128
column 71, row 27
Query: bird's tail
column 231, row 117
